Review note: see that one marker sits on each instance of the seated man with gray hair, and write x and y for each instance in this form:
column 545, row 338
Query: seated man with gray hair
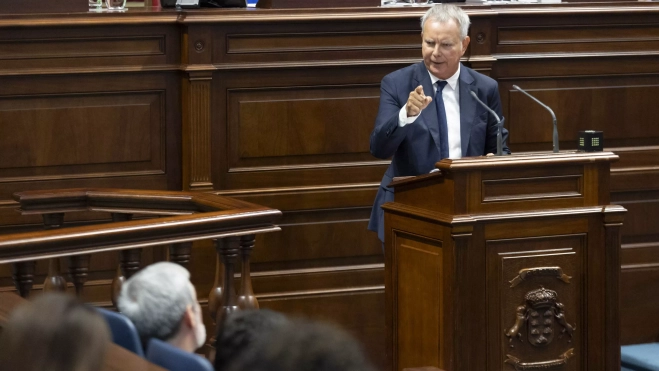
column 162, row 303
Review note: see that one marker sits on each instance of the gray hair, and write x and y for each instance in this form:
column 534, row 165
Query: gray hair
column 156, row 298
column 445, row 13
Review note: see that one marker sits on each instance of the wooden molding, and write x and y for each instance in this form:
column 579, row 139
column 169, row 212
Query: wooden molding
column 214, row 217
column 197, row 132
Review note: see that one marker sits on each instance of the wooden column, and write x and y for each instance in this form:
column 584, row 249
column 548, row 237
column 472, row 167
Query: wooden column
column 228, row 249
column 215, row 296
column 179, row 253
column 54, row 280
column 23, row 277
column 79, row 271
column 197, row 131
column 246, row 297
column 613, row 218
column 129, row 261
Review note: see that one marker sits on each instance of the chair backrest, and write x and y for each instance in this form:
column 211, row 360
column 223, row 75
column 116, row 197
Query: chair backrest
column 175, row 359
column 640, row 357
column 123, row 331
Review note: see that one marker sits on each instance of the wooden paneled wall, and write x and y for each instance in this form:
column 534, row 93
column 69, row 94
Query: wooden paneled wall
column 276, row 107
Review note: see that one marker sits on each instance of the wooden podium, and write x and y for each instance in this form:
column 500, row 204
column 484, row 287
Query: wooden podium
column 505, row 263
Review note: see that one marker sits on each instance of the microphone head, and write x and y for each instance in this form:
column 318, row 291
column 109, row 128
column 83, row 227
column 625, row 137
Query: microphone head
column 516, row 87
column 473, row 94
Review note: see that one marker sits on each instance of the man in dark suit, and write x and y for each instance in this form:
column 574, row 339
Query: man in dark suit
column 426, row 110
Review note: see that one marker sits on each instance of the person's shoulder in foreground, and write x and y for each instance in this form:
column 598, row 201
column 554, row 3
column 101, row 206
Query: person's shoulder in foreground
column 302, row 345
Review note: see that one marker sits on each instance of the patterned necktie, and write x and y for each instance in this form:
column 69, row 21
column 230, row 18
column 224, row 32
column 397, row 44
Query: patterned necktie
column 443, row 125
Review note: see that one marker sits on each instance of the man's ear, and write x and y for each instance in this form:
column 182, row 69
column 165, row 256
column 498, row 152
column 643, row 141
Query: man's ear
column 189, row 317
column 465, row 45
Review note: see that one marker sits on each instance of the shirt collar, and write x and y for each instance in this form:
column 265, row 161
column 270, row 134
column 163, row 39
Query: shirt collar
column 452, row 81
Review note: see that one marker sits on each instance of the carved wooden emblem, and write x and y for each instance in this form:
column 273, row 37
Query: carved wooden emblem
column 545, row 365
column 542, row 314
column 528, row 273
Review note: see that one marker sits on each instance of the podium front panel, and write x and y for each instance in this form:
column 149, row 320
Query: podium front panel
column 505, row 264
column 536, row 301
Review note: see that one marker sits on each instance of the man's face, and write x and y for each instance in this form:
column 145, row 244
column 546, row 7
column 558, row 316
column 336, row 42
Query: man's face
column 199, row 328
column 442, row 48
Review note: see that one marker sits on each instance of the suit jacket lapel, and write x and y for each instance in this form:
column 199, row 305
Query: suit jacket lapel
column 428, row 116
column 467, row 107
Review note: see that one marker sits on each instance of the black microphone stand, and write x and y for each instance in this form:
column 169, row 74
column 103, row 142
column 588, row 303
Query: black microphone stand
column 548, row 109
column 499, row 123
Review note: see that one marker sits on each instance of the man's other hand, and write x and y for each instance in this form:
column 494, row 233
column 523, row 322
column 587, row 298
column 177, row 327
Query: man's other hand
column 417, row 102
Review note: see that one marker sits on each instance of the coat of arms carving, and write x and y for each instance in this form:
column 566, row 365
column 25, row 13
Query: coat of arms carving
column 543, row 315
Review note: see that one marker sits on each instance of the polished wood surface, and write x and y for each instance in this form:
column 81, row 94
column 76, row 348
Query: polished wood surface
column 293, row 4
column 204, row 217
column 275, row 106
column 526, row 277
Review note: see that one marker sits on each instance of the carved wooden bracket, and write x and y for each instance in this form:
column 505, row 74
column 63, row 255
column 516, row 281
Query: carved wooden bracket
column 199, row 46
column 480, row 38
column 540, row 272
column 544, row 365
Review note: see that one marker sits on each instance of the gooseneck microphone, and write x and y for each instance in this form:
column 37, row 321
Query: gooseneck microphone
column 548, row 109
column 499, row 122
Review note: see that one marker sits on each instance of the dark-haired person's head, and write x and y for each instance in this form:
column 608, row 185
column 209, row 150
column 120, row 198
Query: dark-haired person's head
column 241, row 330
column 304, row 346
column 162, row 303
column 55, row 332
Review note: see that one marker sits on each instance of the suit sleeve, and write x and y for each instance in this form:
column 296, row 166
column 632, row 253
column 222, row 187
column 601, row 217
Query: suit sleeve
column 387, row 135
column 494, row 102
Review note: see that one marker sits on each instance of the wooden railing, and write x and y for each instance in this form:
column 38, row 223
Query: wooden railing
column 177, row 220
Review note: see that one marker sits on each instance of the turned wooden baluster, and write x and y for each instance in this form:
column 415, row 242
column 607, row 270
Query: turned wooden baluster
column 23, row 272
column 246, row 297
column 23, row 277
column 214, row 302
column 179, row 253
column 228, row 249
column 54, row 280
column 129, row 262
column 215, row 296
column 79, row 271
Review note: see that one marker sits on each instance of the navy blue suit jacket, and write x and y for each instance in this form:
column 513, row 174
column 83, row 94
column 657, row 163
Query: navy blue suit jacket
column 415, row 147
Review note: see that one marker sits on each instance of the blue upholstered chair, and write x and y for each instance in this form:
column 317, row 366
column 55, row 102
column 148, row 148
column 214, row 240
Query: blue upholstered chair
column 175, row 359
column 640, row 357
column 123, row 331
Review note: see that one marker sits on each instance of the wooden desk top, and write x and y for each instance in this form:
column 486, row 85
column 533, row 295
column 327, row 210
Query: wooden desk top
column 157, row 15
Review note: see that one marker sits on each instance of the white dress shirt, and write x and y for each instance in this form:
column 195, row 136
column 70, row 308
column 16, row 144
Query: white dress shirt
column 451, row 97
